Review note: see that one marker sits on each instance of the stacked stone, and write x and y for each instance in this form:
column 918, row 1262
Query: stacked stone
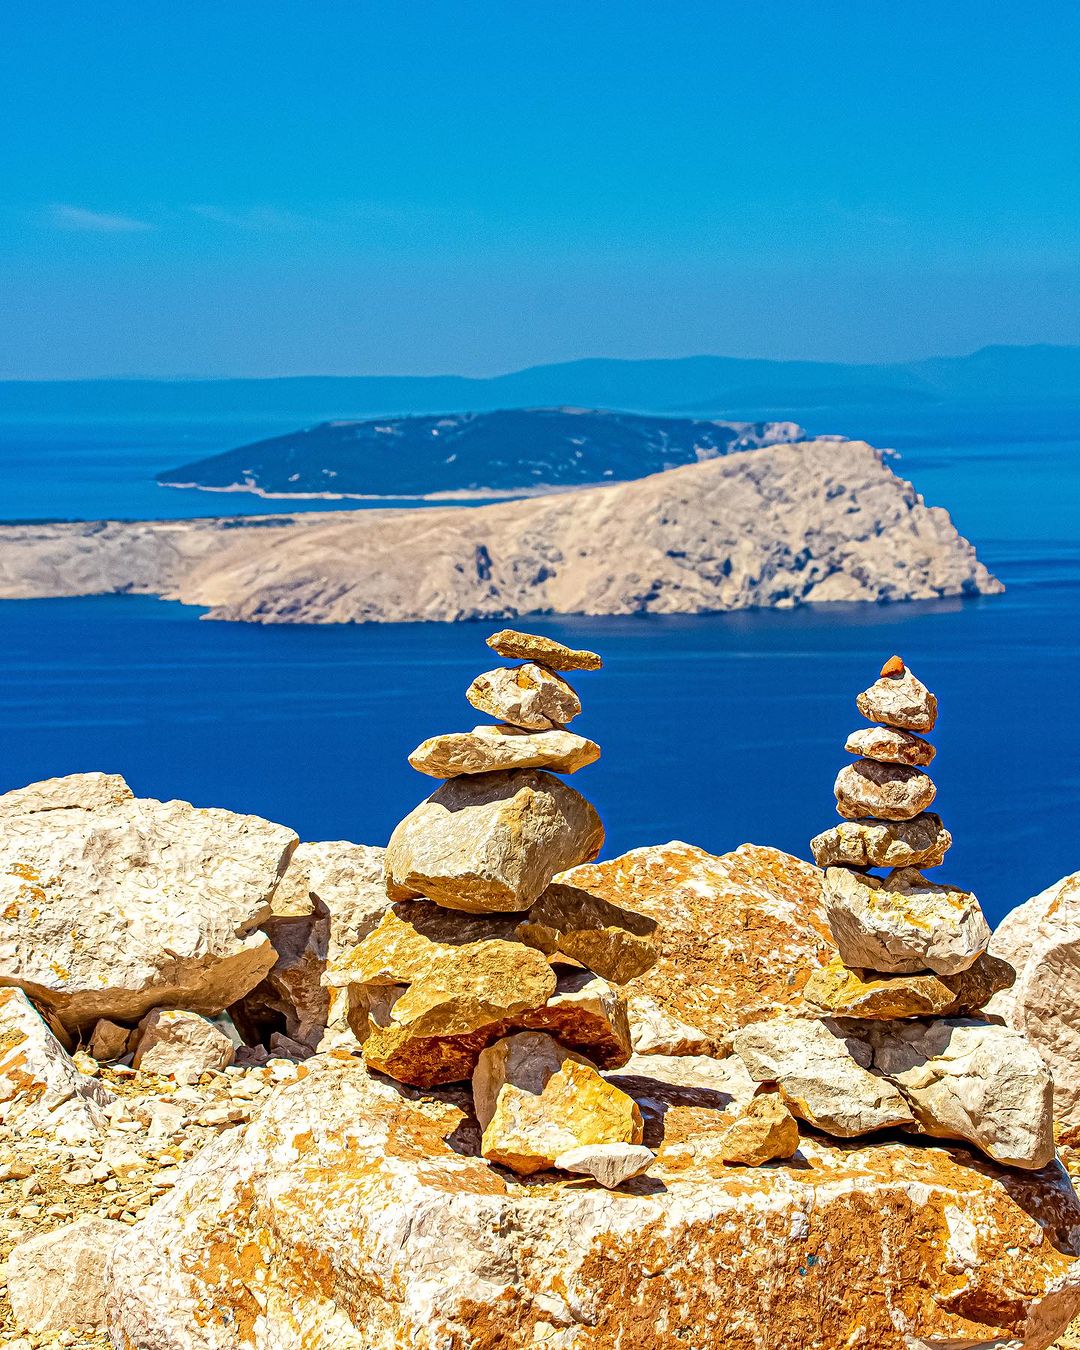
column 908, row 946
column 482, row 967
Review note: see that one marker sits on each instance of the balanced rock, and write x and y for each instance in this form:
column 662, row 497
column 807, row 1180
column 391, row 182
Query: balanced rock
column 529, row 696
column 920, row 842
column 842, row 992
column 888, row 791
column 889, row 745
column 899, row 700
column 762, row 1132
column 115, row 905
column 517, row 646
column 903, row 924
column 609, row 1164
column 824, row 1076
column 181, row 1045
column 536, row 1101
column 57, row 1280
column 616, row 942
column 489, row 749
column 492, row 842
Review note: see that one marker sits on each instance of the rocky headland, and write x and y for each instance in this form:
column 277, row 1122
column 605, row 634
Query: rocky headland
column 807, row 523
column 479, row 1089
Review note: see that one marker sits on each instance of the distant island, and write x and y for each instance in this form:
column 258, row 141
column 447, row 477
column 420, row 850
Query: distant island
column 513, row 452
column 790, row 524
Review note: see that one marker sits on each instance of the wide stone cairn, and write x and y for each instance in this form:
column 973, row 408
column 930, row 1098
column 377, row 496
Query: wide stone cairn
column 482, row 966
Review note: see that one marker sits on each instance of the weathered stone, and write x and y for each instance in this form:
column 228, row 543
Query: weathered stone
column 339, row 879
column 112, row 907
column 617, row 943
column 823, row 1074
column 515, row 646
column 903, row 924
column 76, row 791
column 899, row 700
column 889, row 745
column 292, row 991
column 492, row 842
column 587, row 1014
column 109, row 1040
column 842, row 992
column 349, row 1214
column 653, row 1031
column 493, row 749
column 41, row 1090
column 739, row 934
column 537, row 1100
column 528, row 696
column 920, row 842
column 57, row 1280
column 182, row 1045
column 609, row 1164
column 1041, row 938
column 971, row 1080
column 762, row 1132
column 889, row 791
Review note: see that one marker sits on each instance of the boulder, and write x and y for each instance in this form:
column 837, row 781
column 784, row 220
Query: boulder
column 349, row 1213
column 899, row 700
column 536, row 1100
column 920, row 842
column 842, row 992
column 515, row 646
column 616, row 942
column 493, row 749
column 824, row 1076
column 609, row 1164
column 762, row 1132
column 57, row 1279
column 529, row 696
column 181, row 1045
column 903, row 924
column 890, row 746
column 41, row 1090
column 739, row 934
column 1041, row 938
column 491, row 842
column 888, row 791
column 109, row 1040
column 653, row 1031
column 115, row 905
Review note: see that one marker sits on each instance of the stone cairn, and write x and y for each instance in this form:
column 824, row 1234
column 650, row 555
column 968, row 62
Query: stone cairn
column 482, row 967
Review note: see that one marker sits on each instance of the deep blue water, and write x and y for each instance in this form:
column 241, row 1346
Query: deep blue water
column 715, row 729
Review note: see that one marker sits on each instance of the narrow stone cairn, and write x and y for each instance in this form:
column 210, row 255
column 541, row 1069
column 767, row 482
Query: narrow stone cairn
column 483, row 967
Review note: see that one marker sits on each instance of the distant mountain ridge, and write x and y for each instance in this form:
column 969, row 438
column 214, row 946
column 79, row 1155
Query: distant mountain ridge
column 719, row 385
column 488, row 453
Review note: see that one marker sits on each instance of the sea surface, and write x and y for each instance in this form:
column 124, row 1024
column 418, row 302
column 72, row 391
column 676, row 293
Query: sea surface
column 715, row 729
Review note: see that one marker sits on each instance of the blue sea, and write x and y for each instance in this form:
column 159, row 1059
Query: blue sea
column 715, row 729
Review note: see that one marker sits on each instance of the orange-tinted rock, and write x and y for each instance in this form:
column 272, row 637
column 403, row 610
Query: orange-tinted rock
column 555, row 655
column 616, row 942
column 763, row 1131
column 865, row 993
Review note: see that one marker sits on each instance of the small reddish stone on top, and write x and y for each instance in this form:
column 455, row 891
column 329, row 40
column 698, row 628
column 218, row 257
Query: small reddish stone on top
column 893, row 666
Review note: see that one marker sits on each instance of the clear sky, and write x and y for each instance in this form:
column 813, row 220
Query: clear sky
column 416, row 186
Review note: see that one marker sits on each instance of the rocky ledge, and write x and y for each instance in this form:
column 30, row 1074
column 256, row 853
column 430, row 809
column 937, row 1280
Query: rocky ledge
column 786, row 525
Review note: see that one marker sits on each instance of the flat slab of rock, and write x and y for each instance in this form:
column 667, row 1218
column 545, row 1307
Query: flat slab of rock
column 566, row 921
column 902, row 923
column 888, row 791
column 57, row 1280
column 890, row 746
column 900, row 701
column 609, row 1164
column 920, row 842
column 517, row 646
column 181, row 1045
column 824, row 1076
column 866, row 994
column 347, row 1215
column 529, row 696
column 117, row 905
column 492, row 842
column 490, row 749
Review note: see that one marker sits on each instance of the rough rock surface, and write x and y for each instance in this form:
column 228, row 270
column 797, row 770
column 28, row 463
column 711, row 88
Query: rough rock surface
column 117, row 905
column 903, row 923
column 890, row 746
column 763, row 1131
column 109, row 1040
column 57, row 1280
column 920, row 842
column 491, row 749
column 308, row 1226
column 617, row 943
column 1041, row 938
column 530, row 697
column 887, row 791
column 181, row 1045
column 739, row 934
column 814, row 522
column 491, row 843
column 516, row 646
column 842, row 992
column 655, row 1032
column 899, row 700
column 609, row 1164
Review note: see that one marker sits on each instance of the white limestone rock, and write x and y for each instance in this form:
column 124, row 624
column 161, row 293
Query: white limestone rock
column 655, row 1031
column 899, row 700
column 491, row 749
column 57, row 1280
column 609, row 1164
column 181, row 1045
column 884, row 791
column 528, row 696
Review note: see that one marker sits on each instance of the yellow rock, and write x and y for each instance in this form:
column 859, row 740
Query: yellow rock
column 864, row 993
column 517, row 646
column 616, row 942
column 764, row 1130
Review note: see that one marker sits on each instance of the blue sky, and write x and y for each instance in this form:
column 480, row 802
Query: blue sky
column 288, row 186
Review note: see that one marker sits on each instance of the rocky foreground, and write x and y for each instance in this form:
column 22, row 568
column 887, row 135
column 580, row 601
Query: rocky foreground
column 815, row 522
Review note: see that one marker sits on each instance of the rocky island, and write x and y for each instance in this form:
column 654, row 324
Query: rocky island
column 805, row 523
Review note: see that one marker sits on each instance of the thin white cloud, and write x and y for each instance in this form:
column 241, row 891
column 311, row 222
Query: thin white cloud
column 64, row 216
